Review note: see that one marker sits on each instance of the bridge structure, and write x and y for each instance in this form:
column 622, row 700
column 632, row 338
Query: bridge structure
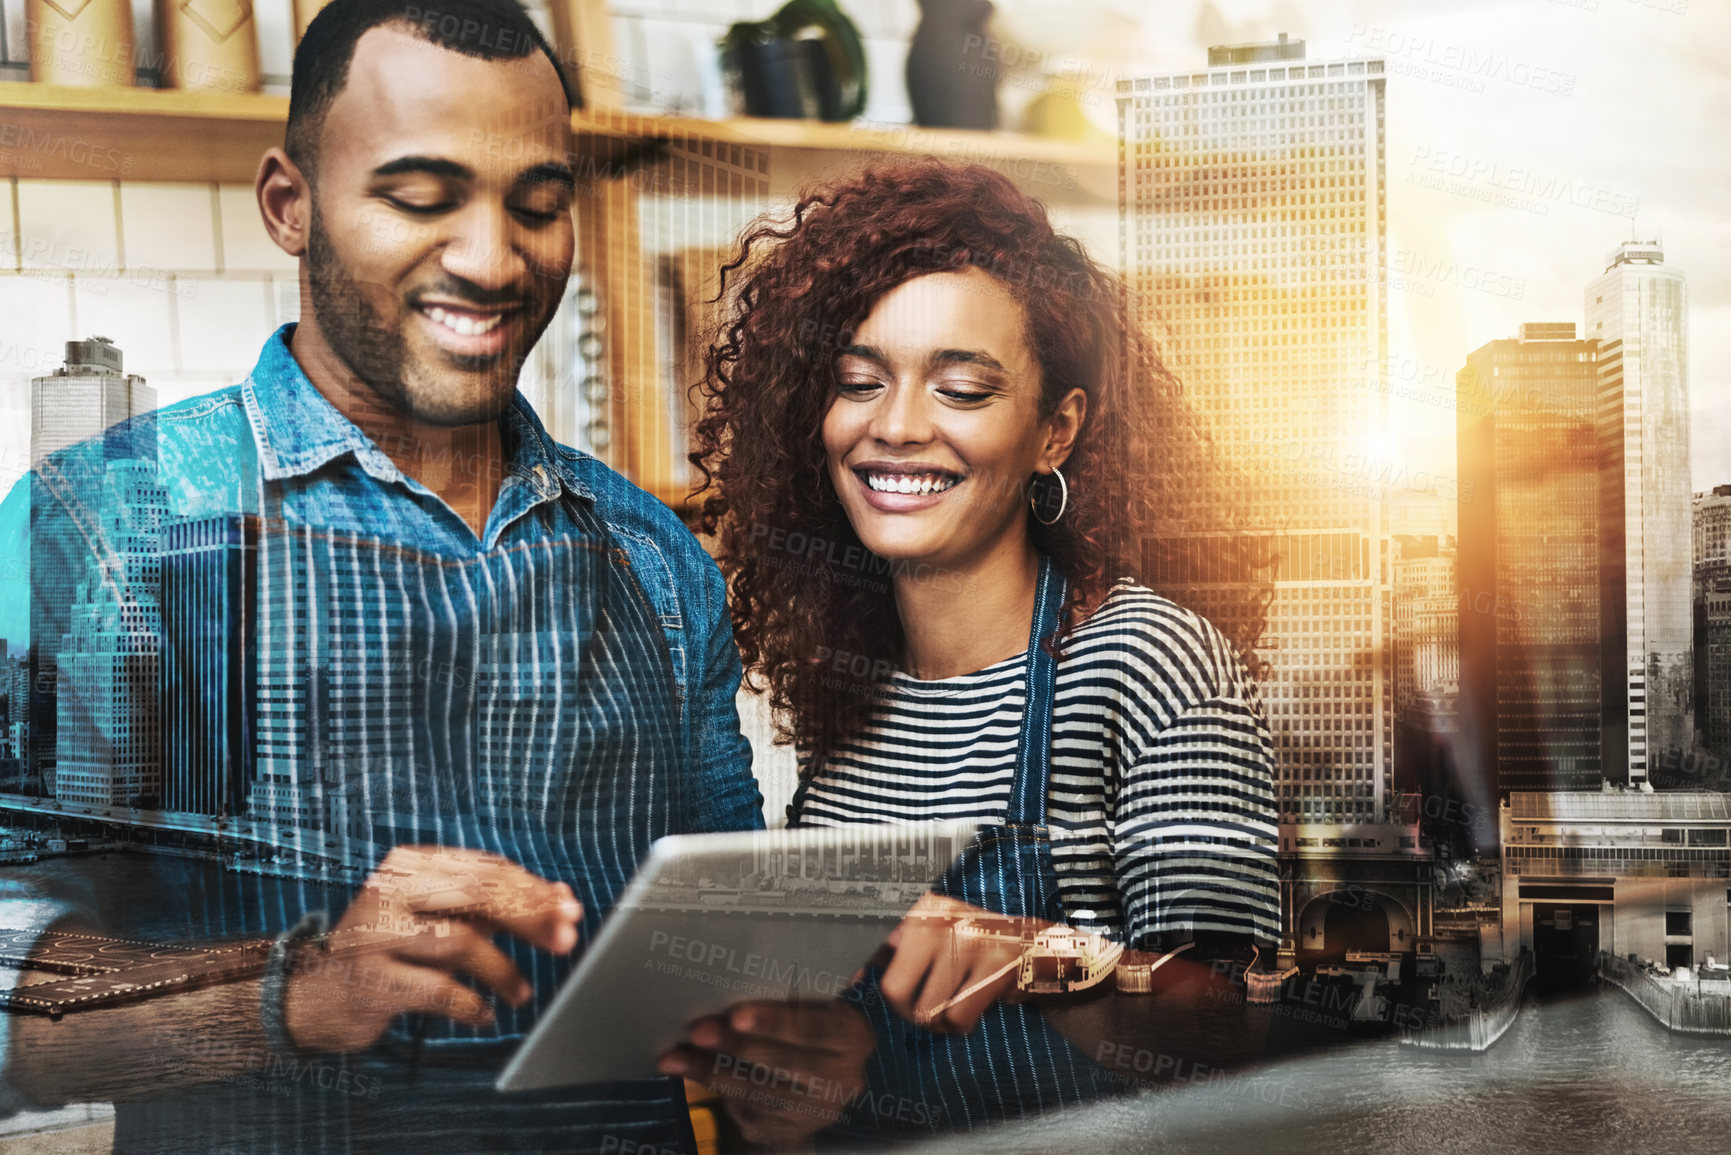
column 1354, row 888
column 241, row 842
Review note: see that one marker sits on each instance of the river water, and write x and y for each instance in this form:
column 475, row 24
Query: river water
column 1586, row 1073
column 1589, row 1073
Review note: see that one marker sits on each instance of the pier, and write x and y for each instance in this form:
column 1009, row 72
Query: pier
column 1688, row 1006
column 92, row 971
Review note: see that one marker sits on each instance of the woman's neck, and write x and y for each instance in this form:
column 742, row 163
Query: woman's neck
column 959, row 621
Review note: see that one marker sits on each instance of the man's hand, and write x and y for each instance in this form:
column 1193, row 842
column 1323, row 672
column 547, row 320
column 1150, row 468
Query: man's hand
column 952, row 961
column 426, row 915
column 784, row 1071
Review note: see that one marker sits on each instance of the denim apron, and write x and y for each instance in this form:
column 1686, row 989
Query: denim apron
column 1013, row 1064
column 519, row 700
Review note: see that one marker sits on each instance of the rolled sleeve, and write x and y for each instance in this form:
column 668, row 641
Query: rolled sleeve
column 1197, row 830
column 727, row 797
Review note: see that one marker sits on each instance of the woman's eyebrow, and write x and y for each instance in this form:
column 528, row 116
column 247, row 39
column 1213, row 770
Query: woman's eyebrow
column 967, row 357
column 939, row 357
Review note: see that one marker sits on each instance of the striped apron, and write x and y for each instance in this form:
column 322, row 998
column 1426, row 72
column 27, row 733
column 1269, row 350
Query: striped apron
column 1013, row 1064
column 519, row 700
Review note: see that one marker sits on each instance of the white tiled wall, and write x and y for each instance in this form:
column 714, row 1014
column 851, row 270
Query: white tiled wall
column 180, row 276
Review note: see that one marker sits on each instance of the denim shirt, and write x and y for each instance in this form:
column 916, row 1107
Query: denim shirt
column 273, row 446
column 331, row 475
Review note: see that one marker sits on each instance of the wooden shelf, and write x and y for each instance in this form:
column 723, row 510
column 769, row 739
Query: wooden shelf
column 803, row 135
column 67, row 133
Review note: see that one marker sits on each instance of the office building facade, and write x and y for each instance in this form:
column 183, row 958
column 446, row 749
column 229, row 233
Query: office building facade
column 1638, row 312
column 90, row 396
column 108, row 733
column 1529, row 605
column 209, row 663
column 1712, row 549
column 1253, row 237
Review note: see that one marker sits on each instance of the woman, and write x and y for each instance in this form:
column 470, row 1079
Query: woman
column 942, row 466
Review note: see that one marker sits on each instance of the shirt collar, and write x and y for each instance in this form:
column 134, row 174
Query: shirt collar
column 297, row 430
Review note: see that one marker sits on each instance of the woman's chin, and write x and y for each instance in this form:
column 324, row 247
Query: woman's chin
column 901, row 553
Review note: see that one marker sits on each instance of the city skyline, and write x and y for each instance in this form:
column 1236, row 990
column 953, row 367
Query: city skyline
column 1504, row 190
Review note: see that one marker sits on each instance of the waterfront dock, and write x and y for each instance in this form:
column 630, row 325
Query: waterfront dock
column 1688, row 1006
column 85, row 971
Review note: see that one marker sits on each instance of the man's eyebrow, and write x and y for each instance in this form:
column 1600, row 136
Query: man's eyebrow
column 550, row 172
column 430, row 165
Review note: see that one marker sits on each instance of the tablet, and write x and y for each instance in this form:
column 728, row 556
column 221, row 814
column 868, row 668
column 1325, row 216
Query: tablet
column 714, row 919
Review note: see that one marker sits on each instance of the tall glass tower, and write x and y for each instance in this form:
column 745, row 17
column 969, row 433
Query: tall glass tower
column 1638, row 312
column 90, row 396
column 1252, row 231
column 1529, row 549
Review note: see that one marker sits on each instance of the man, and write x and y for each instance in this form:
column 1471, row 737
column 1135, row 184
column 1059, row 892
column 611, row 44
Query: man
column 487, row 668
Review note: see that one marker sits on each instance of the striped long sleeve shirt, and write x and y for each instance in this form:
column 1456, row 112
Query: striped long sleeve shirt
column 1161, row 802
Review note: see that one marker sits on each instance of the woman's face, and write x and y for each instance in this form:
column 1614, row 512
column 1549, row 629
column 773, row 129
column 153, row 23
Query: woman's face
column 935, row 428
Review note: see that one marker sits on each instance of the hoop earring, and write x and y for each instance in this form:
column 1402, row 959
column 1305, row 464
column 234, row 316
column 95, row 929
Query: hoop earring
column 1063, row 500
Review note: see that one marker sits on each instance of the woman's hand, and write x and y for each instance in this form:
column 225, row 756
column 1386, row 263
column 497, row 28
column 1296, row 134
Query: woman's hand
column 784, row 1070
column 952, row 961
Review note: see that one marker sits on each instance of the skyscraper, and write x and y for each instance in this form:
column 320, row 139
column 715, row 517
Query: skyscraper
column 87, row 396
column 90, row 396
column 1426, row 622
column 1638, row 312
column 1253, row 236
column 1529, row 547
column 209, row 663
column 108, row 736
column 1712, row 516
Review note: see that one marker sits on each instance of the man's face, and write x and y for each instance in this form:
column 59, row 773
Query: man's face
column 441, row 235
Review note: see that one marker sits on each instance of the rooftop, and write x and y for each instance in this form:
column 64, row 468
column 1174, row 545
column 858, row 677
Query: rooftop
column 1620, row 806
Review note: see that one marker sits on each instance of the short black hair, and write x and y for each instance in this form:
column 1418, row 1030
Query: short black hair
column 488, row 29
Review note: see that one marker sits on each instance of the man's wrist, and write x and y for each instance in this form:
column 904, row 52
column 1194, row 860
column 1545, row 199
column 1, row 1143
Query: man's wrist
column 313, row 927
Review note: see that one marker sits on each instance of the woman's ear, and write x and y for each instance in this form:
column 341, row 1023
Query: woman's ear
column 1063, row 427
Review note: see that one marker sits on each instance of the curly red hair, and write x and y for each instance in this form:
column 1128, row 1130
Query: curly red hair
column 813, row 611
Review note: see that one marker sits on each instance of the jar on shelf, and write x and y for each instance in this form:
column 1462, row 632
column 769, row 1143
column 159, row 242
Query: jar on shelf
column 208, row 45
column 86, row 43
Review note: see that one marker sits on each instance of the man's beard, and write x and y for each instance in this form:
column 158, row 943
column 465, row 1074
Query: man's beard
column 377, row 352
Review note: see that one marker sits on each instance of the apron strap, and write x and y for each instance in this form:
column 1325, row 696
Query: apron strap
column 1034, row 751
